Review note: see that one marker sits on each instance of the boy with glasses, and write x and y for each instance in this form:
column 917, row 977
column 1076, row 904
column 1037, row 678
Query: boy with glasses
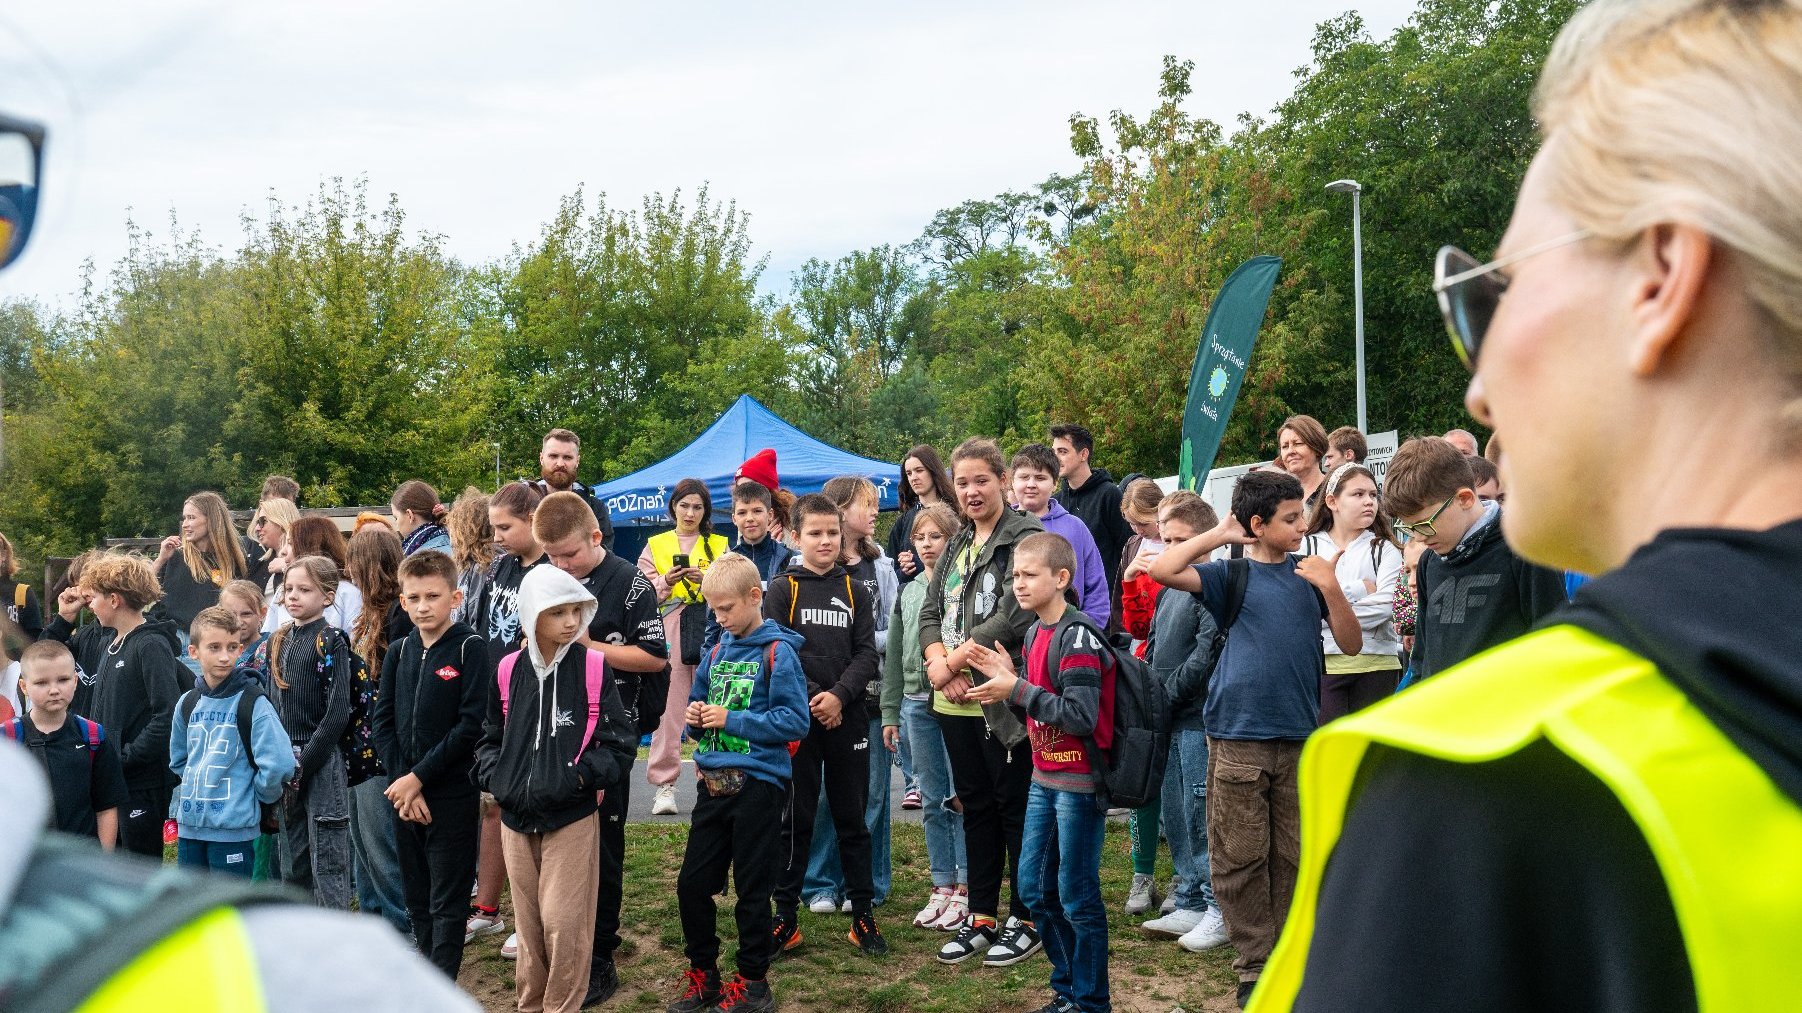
column 1474, row 592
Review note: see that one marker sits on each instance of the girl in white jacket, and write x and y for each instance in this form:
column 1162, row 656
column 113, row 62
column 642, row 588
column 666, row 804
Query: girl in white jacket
column 1350, row 527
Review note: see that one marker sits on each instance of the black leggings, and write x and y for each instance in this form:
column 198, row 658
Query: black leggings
column 991, row 783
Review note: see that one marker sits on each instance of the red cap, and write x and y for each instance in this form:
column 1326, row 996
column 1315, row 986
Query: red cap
column 761, row 468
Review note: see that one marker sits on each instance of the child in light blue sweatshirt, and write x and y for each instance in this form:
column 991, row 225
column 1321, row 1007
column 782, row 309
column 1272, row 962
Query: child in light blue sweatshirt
column 226, row 779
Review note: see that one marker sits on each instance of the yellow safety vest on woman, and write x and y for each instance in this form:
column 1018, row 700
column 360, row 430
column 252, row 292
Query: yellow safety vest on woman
column 664, row 548
column 1735, row 883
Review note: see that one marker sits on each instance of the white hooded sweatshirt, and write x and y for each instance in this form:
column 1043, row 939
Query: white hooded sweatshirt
column 545, row 587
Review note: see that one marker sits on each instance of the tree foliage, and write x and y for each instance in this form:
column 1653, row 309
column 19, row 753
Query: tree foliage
column 335, row 346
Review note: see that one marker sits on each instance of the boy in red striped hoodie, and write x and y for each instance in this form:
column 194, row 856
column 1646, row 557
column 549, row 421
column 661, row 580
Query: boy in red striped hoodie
column 1068, row 696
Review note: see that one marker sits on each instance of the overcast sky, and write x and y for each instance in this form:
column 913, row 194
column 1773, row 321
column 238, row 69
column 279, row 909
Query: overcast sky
column 833, row 128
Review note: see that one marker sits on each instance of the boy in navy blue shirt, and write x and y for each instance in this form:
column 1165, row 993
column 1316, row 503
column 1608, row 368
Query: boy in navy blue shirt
column 749, row 701
column 87, row 782
column 1263, row 701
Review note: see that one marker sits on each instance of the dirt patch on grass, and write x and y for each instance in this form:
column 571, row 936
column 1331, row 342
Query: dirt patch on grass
column 1149, row 974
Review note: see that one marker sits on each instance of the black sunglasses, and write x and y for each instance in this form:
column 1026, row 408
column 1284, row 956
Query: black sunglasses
column 1469, row 292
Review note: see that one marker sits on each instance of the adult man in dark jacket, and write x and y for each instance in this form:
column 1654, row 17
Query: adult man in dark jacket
column 1092, row 496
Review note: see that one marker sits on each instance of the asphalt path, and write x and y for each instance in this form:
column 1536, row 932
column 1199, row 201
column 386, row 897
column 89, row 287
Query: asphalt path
column 640, row 809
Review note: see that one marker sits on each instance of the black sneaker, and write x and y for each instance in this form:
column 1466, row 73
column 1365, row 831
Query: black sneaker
column 1245, row 990
column 603, row 981
column 1018, row 941
column 1056, row 1005
column 787, row 934
column 969, row 941
column 701, row 991
column 744, row 996
column 867, row 937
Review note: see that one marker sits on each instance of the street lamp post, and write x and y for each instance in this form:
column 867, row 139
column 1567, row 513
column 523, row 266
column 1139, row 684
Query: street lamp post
column 1351, row 186
column 497, row 465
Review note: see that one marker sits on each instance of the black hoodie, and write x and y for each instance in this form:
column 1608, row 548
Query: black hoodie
column 134, row 700
column 1532, row 853
column 835, row 615
column 1097, row 504
column 1480, row 596
column 428, row 715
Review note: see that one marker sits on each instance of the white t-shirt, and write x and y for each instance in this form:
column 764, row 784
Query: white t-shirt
column 343, row 610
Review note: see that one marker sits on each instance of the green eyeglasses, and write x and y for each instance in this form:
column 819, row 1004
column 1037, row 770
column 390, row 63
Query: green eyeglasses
column 1469, row 292
column 1423, row 529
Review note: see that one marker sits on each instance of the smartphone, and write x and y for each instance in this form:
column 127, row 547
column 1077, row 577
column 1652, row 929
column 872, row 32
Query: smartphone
column 680, row 561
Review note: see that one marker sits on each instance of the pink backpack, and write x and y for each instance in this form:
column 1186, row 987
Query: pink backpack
column 596, row 672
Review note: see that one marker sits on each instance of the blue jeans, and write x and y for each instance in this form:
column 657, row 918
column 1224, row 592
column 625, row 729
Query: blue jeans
column 904, row 755
column 235, row 858
column 1185, row 800
column 823, row 873
column 376, row 856
column 1060, row 881
column 932, row 765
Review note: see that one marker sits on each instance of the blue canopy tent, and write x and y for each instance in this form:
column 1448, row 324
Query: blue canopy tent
column 639, row 502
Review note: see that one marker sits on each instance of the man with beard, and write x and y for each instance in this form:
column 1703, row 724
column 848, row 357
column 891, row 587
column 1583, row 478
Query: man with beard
column 558, row 460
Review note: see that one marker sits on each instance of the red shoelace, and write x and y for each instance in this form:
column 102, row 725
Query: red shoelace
column 697, row 983
column 732, row 992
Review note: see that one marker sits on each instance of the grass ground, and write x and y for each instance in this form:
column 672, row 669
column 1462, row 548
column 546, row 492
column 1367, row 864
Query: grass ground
column 1149, row 974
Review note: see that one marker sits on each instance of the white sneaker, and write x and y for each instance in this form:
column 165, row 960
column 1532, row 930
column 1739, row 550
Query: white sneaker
column 1143, row 895
column 824, row 904
column 845, row 908
column 664, row 802
column 510, row 948
column 935, row 906
column 482, row 925
column 1176, row 923
column 957, row 911
column 1206, row 935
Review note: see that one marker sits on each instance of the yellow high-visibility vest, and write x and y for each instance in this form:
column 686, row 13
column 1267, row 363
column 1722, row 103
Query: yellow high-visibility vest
column 1727, row 840
column 664, row 547
column 207, row 966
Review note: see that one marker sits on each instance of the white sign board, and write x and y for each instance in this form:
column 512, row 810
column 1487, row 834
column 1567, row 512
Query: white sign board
column 1382, row 448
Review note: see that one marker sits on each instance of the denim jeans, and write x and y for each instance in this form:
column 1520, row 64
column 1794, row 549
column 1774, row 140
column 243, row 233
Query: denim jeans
column 1185, row 802
column 235, row 858
column 904, row 755
column 1060, row 881
column 824, row 876
column 376, row 857
column 932, row 765
column 315, row 837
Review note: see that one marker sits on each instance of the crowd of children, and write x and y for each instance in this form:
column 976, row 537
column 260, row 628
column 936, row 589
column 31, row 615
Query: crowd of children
column 469, row 685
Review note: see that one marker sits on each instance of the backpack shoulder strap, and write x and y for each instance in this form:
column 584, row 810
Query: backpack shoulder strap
column 1238, row 578
column 503, row 677
column 769, row 660
column 794, row 595
column 20, row 590
column 189, row 701
column 595, row 674
column 247, row 706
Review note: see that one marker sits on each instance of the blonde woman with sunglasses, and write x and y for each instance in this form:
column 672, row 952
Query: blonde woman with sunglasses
column 1606, row 813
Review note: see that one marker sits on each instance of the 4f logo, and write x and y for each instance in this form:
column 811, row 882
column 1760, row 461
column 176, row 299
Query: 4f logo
column 1453, row 599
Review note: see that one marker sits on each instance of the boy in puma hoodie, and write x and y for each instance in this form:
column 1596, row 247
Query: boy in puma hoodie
column 549, row 747
column 816, row 599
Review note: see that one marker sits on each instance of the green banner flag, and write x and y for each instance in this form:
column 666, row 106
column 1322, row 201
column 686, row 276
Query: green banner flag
column 1220, row 363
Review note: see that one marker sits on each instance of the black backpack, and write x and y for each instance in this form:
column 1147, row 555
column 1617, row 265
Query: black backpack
column 1238, row 577
column 269, row 820
column 1132, row 768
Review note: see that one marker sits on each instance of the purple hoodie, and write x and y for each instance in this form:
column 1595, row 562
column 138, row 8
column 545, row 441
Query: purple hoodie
column 1090, row 579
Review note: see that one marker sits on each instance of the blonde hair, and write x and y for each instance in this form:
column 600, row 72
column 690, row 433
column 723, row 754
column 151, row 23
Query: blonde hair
column 941, row 516
column 127, row 576
column 471, row 536
column 1688, row 112
column 246, row 592
column 1139, row 502
column 730, row 575
column 848, row 489
column 280, row 512
column 222, row 548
